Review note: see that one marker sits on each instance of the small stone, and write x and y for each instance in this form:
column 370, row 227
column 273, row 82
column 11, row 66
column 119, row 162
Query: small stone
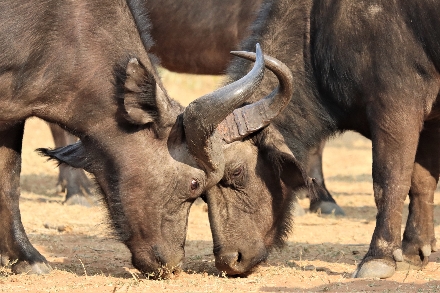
column 49, row 226
column 65, row 228
column 59, row 228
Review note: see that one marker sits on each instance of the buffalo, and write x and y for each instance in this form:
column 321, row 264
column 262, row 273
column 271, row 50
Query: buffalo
column 370, row 67
column 84, row 66
column 195, row 37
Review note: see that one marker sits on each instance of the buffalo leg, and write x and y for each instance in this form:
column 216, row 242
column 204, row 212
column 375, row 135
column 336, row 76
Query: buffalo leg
column 14, row 244
column 70, row 180
column 324, row 203
column 419, row 238
column 393, row 161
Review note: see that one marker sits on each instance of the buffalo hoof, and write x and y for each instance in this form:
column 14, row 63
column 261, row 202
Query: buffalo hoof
column 415, row 261
column 81, row 200
column 297, row 209
column 23, row 267
column 59, row 188
column 376, row 268
column 328, row 208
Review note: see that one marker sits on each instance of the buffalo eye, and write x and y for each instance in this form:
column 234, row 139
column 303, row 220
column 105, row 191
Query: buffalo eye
column 237, row 172
column 194, row 184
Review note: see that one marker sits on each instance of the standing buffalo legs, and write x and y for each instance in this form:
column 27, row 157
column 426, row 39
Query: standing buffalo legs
column 70, row 180
column 324, row 203
column 405, row 162
column 14, row 244
column 418, row 238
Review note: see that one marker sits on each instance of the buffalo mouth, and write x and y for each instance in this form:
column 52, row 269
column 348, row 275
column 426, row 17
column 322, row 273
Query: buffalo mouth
column 155, row 265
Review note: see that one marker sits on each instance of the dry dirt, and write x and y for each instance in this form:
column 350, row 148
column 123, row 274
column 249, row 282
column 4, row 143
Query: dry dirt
column 320, row 255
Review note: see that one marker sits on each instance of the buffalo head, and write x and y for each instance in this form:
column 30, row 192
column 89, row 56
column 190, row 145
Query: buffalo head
column 215, row 146
column 250, row 207
column 252, row 174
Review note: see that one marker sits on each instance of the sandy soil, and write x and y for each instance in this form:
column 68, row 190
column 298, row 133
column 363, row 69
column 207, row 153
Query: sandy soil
column 320, row 255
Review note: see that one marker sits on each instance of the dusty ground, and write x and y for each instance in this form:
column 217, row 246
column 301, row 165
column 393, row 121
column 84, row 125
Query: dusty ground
column 320, row 255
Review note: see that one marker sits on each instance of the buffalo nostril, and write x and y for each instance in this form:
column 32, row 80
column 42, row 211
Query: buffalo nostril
column 239, row 257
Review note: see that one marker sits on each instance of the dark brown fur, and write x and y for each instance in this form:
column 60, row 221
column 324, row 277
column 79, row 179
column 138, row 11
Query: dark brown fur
column 196, row 36
column 67, row 62
column 363, row 66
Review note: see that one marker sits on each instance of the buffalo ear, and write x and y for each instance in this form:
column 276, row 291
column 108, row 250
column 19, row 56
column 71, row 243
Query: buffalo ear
column 139, row 98
column 73, row 155
column 294, row 174
column 291, row 171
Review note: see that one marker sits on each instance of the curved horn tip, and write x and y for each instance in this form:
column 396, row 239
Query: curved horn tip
column 246, row 54
column 257, row 50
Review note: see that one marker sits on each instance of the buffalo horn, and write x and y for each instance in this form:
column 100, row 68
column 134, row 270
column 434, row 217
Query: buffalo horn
column 248, row 119
column 202, row 116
